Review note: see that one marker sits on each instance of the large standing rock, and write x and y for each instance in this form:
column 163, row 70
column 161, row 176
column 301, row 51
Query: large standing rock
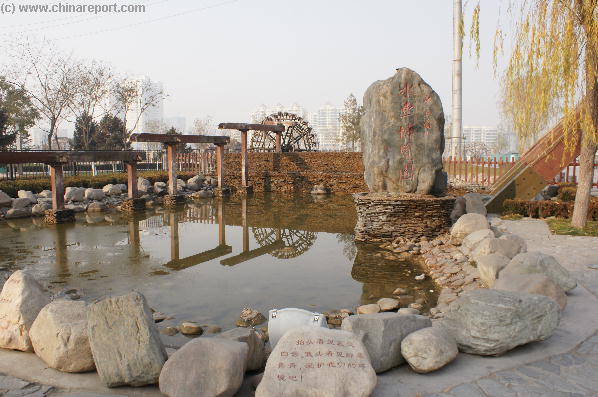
column 318, row 362
column 468, row 224
column 204, row 367
column 5, row 199
column 537, row 262
column 21, row 300
column 490, row 322
column 402, row 135
column 125, row 343
column 256, row 352
column 538, row 284
column 474, row 204
column 429, row 349
column 59, row 336
column 489, row 266
column 74, row 194
column 382, row 334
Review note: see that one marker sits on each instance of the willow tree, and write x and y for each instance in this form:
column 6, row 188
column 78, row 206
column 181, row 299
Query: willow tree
column 553, row 68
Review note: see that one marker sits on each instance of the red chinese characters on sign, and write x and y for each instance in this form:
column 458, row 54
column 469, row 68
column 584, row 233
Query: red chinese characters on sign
column 406, row 90
column 407, row 109
column 337, row 354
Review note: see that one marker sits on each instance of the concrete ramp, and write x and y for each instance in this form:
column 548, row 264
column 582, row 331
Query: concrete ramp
column 534, row 170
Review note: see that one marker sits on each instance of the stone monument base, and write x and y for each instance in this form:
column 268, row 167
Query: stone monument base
column 222, row 192
column 386, row 216
column 52, row 217
column 172, row 200
column 133, row 205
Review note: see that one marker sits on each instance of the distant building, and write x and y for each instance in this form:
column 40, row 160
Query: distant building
column 264, row 111
column 327, row 127
column 486, row 135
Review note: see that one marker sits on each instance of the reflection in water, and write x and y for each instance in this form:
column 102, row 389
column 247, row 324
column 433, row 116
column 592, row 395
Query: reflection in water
column 295, row 251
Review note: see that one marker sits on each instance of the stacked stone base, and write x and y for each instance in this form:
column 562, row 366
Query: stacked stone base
column 53, row 217
column 385, row 216
column 222, row 192
column 172, row 200
column 133, row 205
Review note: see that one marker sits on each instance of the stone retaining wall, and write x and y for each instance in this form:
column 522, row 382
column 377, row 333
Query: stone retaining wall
column 287, row 172
column 381, row 216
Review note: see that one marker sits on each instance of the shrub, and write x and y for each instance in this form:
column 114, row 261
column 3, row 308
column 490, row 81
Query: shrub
column 567, row 193
column 546, row 209
column 97, row 182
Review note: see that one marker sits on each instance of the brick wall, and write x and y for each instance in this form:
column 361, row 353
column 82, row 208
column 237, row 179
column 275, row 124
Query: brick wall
column 285, row 172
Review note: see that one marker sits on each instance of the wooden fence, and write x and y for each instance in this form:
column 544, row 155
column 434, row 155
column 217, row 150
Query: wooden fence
column 485, row 172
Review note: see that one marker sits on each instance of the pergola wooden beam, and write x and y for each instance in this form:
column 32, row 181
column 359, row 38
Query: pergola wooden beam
column 56, row 159
column 172, row 140
column 244, row 128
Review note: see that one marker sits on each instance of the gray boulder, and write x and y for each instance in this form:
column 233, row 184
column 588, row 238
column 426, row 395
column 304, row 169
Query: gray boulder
column 489, row 266
column 122, row 187
column 45, row 194
column 256, row 352
column 94, row 194
column 159, row 187
column 5, row 199
column 75, row 194
column 59, row 336
column 96, row 206
column 15, row 213
column 111, row 190
column 27, row 194
column 125, row 343
column 21, row 300
column 382, row 333
column 468, row 224
column 20, row 203
column 474, row 204
column 429, row 349
column 143, row 185
column 318, row 362
column 459, row 209
column 506, row 247
column 39, row 209
column 472, row 240
column 196, row 180
column 537, row 283
column 490, row 322
column 205, row 367
column 181, row 184
column 402, row 135
column 537, row 262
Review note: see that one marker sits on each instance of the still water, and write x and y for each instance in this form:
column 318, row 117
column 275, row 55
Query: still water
column 207, row 260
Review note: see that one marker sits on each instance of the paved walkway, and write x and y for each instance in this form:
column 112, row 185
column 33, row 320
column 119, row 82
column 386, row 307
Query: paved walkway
column 564, row 365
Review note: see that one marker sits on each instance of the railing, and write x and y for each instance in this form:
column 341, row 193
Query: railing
column 485, row 172
column 199, row 161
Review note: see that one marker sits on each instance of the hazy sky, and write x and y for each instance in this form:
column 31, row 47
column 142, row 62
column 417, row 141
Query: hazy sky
column 225, row 58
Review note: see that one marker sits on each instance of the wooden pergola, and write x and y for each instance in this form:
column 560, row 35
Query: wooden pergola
column 244, row 128
column 172, row 140
column 57, row 159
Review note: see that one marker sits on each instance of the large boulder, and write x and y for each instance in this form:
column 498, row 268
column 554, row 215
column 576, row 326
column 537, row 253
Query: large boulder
column 468, row 224
column 472, row 240
column 45, row 194
column 125, row 343
column 256, row 352
column 204, row 367
column 474, row 204
column 459, row 209
column 111, row 190
column 537, row 262
column 15, row 213
column 94, row 194
column 181, row 184
column 490, row 322
column 402, row 135
column 59, row 336
column 429, row 349
column 143, row 185
column 74, row 194
column 489, row 266
column 21, row 300
column 27, row 194
column 5, row 199
column 20, row 203
column 39, row 209
column 196, row 180
column 382, row 333
column 159, row 187
column 493, row 245
column 318, row 362
column 537, row 283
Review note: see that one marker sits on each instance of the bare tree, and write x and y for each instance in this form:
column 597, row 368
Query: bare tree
column 93, row 85
column 350, row 122
column 203, row 126
column 47, row 76
column 476, row 150
column 132, row 99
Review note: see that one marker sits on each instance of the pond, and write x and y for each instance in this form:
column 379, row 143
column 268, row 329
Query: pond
column 208, row 260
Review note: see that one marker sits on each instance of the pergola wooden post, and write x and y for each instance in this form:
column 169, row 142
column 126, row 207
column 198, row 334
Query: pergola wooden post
column 220, row 165
column 57, row 186
column 278, row 139
column 244, row 128
column 132, row 179
column 172, row 176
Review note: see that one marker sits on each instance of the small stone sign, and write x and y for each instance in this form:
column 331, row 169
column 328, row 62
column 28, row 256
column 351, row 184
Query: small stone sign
column 402, row 135
column 333, row 362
